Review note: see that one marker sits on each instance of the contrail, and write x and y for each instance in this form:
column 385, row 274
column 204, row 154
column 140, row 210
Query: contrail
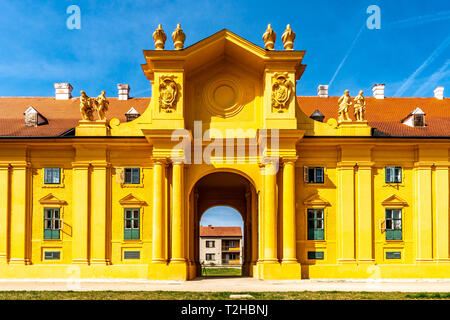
column 422, row 19
column 435, row 77
column 347, row 54
column 425, row 64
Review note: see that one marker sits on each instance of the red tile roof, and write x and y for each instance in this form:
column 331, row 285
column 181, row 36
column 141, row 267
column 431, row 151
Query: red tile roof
column 383, row 114
column 62, row 115
column 212, row 231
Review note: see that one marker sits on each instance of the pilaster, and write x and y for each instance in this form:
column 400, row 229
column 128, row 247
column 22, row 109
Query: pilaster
column 346, row 212
column 19, row 209
column 99, row 212
column 81, row 189
column 442, row 206
column 424, row 211
column 4, row 210
column 365, row 212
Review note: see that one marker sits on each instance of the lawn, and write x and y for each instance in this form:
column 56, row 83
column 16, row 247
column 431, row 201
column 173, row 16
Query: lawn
column 171, row 295
column 221, row 271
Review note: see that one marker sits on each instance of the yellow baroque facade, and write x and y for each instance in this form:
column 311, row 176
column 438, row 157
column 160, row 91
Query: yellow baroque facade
column 224, row 126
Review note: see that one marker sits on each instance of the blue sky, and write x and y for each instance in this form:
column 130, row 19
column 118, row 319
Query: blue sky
column 410, row 53
column 222, row 217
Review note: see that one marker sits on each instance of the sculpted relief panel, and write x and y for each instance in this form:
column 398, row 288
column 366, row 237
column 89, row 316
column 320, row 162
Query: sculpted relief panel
column 168, row 93
column 281, row 92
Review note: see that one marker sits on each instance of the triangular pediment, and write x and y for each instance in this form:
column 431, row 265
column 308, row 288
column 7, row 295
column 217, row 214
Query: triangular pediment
column 50, row 199
column 316, row 201
column 222, row 44
column 131, row 200
column 394, row 201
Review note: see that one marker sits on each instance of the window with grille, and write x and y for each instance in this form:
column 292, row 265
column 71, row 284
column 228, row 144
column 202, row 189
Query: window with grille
column 315, row 224
column 52, row 223
column 210, row 244
column 52, row 175
column 132, row 175
column 131, row 224
column 131, row 255
column 393, row 174
column 210, row 256
column 393, row 224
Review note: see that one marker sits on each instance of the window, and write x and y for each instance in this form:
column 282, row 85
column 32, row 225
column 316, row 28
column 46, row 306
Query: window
column 393, row 174
column 393, row 255
column 132, row 176
column 315, row 255
column 52, row 223
column 52, row 175
column 393, row 224
column 131, row 224
column 52, row 255
column 131, row 254
column 210, row 256
column 313, row 174
column 315, row 224
column 210, row 244
column 419, row 120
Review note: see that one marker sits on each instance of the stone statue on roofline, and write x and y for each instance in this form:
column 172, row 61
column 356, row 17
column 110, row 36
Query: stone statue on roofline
column 344, row 103
column 359, row 106
column 86, row 107
column 102, row 106
column 89, row 105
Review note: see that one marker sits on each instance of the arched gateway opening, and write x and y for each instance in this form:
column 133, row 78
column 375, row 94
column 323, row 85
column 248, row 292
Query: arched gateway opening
column 231, row 190
column 221, row 242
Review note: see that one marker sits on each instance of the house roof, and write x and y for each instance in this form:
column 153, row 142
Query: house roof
column 62, row 115
column 212, row 231
column 385, row 115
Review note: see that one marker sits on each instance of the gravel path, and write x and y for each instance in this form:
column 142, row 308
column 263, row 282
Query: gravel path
column 231, row 284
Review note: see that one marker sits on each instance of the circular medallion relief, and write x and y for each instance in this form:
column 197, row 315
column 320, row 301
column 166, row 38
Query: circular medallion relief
column 223, row 98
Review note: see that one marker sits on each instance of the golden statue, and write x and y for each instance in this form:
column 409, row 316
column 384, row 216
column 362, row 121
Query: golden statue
column 159, row 37
column 269, row 38
column 86, row 107
column 288, row 38
column 281, row 91
column 178, row 37
column 359, row 106
column 102, row 106
column 168, row 92
column 344, row 103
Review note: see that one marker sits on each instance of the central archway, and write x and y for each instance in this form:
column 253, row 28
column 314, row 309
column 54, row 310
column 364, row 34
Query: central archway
column 232, row 190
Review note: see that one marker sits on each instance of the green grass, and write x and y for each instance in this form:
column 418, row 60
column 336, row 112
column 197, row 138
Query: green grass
column 221, row 271
column 171, row 295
